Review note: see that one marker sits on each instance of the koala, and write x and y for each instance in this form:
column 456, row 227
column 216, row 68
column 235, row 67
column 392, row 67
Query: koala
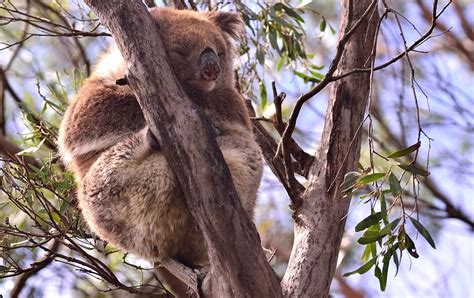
column 127, row 192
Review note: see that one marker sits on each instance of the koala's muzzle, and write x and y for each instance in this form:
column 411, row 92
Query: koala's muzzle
column 209, row 65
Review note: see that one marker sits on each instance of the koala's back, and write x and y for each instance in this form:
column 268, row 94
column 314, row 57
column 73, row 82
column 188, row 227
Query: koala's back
column 100, row 115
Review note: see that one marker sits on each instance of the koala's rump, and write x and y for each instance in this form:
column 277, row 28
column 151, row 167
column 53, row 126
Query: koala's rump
column 140, row 208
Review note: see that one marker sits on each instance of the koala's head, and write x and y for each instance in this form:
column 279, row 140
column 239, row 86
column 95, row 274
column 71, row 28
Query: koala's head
column 200, row 46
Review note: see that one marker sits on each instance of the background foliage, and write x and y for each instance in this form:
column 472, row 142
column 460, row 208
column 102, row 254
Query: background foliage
column 415, row 171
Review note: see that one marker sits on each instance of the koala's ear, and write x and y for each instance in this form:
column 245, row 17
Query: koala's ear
column 230, row 22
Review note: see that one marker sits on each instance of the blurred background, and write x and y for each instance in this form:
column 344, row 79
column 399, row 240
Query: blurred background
column 48, row 47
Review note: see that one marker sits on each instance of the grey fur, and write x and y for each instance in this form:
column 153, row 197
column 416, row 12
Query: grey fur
column 128, row 194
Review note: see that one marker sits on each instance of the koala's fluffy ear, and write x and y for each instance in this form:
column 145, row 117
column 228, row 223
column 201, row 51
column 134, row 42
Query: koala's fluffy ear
column 230, row 22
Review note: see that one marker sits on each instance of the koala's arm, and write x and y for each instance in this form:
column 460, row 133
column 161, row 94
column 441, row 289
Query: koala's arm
column 101, row 115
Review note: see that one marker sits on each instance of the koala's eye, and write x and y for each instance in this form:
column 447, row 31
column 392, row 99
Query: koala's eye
column 221, row 54
column 181, row 52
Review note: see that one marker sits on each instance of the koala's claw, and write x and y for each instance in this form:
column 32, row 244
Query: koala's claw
column 152, row 141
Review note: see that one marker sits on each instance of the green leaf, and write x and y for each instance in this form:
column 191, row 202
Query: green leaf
column 64, row 207
column 349, row 181
column 366, row 240
column 414, row 170
column 410, row 246
column 280, row 63
column 31, row 150
column 371, row 178
column 320, row 67
column 394, row 223
column 395, row 187
column 383, row 208
column 378, row 274
column 306, row 78
column 423, row 231
column 363, row 269
column 263, row 94
column 366, row 254
column 3, row 204
column 405, row 151
column 369, row 221
column 386, row 263
column 322, row 25
column 272, row 36
column 260, row 56
column 290, row 12
column 333, row 31
column 395, row 257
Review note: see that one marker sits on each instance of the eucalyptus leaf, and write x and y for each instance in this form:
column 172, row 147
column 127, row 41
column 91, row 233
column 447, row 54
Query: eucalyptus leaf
column 423, row 231
column 410, row 246
column 322, row 25
column 349, row 181
column 368, row 221
column 386, row 263
column 370, row 178
column 395, row 257
column 414, row 170
column 364, row 268
column 291, row 12
column 395, row 187
column 404, row 151
column 366, row 240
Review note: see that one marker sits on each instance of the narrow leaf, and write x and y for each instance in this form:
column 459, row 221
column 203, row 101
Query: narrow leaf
column 363, row 269
column 394, row 223
column 378, row 274
column 371, row 178
column 423, row 231
column 272, row 36
column 414, row 170
column 395, row 257
column 404, row 151
column 410, row 245
column 349, row 180
column 395, row 187
column 383, row 208
column 368, row 221
column 386, row 263
column 292, row 13
column 280, row 63
column 322, row 25
column 366, row 240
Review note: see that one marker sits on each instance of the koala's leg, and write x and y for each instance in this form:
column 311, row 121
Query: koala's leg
column 244, row 159
column 131, row 198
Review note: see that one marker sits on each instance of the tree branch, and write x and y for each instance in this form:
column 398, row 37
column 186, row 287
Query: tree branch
column 321, row 218
column 35, row 267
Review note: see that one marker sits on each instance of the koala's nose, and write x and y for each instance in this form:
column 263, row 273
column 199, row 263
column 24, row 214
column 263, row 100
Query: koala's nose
column 209, row 65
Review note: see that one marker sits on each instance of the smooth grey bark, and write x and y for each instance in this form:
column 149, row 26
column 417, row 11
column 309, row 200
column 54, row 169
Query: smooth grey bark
column 320, row 221
column 238, row 266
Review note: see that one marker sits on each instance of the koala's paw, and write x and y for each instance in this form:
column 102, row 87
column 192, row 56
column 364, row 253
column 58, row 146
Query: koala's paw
column 152, row 141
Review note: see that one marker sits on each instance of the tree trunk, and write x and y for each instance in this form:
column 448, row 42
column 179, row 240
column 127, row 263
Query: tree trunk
column 238, row 266
column 320, row 221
